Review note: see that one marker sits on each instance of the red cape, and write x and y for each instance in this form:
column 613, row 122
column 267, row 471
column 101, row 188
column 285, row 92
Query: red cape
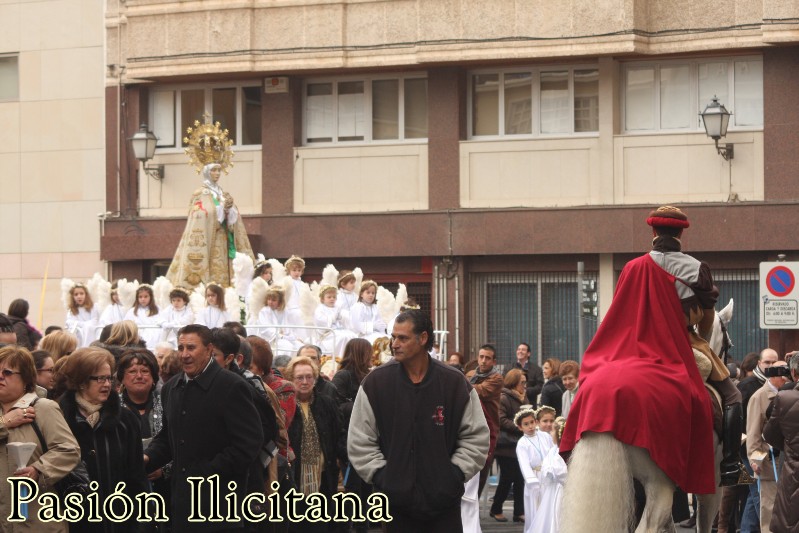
column 639, row 381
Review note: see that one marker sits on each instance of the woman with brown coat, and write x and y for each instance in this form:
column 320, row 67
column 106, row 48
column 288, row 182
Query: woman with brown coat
column 513, row 395
column 782, row 432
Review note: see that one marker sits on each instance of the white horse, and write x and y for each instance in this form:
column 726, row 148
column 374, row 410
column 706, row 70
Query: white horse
column 599, row 494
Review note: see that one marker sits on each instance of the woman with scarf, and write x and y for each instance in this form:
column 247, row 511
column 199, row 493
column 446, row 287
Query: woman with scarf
column 138, row 371
column 214, row 233
column 315, row 437
column 108, row 434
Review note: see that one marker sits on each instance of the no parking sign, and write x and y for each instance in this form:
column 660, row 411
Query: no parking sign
column 779, row 297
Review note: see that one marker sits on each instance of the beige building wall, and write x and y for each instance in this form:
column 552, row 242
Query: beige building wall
column 52, row 151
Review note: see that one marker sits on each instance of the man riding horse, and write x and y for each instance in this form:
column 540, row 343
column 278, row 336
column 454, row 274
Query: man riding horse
column 662, row 308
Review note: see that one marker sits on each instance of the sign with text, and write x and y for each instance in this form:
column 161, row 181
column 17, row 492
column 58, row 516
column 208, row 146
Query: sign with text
column 779, row 297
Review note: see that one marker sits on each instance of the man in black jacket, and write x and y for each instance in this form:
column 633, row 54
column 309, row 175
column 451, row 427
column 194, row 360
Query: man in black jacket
column 533, row 372
column 207, row 432
column 418, row 432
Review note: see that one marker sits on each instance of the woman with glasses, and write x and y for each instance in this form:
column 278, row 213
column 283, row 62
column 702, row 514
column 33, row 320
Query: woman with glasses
column 108, row 434
column 20, row 408
column 45, row 376
column 513, row 396
column 314, row 434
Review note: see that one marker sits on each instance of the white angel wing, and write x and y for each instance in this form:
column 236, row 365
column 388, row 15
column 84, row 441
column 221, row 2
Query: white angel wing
column 308, row 303
column 278, row 270
column 385, row 304
column 288, row 285
column 257, row 297
column 401, row 299
column 161, row 289
column 233, row 304
column 358, row 273
column 330, row 276
column 127, row 292
column 197, row 299
column 66, row 286
column 243, row 269
column 100, row 291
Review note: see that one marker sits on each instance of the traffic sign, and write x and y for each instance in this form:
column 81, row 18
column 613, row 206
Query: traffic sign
column 780, row 281
column 779, row 297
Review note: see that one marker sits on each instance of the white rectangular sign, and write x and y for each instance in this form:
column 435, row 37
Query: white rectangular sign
column 779, row 296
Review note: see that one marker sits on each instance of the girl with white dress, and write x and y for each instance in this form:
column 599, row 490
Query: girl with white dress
column 144, row 314
column 327, row 315
column 215, row 314
column 366, row 320
column 115, row 311
column 82, row 315
column 177, row 314
column 346, row 296
column 295, row 267
column 273, row 315
column 553, row 478
column 531, row 449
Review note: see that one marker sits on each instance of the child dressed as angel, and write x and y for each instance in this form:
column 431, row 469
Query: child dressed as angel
column 328, row 315
column 531, row 450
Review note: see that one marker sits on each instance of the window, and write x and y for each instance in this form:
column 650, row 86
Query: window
column 365, row 110
column 668, row 96
column 533, row 102
column 537, row 308
column 9, row 78
column 235, row 107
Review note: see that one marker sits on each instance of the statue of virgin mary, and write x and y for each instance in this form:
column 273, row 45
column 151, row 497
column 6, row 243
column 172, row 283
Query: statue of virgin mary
column 214, row 233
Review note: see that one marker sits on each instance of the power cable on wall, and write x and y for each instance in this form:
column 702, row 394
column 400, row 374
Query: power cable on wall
column 439, row 42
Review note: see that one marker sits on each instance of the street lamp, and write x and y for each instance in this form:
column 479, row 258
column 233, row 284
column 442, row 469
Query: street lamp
column 143, row 146
column 716, row 118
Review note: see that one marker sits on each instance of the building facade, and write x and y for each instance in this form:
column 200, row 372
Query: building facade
column 52, row 149
column 476, row 150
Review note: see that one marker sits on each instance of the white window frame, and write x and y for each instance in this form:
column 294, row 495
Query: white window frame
column 367, row 111
column 535, row 80
column 208, row 88
column 15, row 57
column 694, row 64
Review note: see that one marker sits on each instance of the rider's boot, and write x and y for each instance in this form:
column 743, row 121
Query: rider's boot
column 731, row 469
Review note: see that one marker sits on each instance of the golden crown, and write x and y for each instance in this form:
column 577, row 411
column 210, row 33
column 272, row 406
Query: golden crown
column 208, row 143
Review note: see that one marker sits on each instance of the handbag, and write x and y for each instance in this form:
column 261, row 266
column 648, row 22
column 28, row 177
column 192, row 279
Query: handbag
column 75, row 482
column 507, row 440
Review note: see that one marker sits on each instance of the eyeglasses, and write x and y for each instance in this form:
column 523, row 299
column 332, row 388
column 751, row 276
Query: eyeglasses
column 101, row 379
column 304, row 378
column 7, row 373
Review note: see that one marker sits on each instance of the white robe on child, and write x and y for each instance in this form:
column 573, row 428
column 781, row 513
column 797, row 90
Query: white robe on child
column 84, row 325
column 531, row 452
column 112, row 314
column 330, row 317
column 173, row 320
column 213, row 317
column 345, row 300
column 470, row 505
column 282, row 341
column 553, row 477
column 141, row 316
column 366, row 322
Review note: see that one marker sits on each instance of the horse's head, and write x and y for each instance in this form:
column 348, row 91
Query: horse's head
column 720, row 341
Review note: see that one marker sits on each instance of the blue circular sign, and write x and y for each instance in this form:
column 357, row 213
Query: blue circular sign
column 780, row 281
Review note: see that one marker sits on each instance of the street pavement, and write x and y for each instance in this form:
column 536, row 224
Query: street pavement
column 489, row 525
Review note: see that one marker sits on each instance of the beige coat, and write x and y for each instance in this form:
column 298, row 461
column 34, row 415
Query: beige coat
column 62, row 456
column 755, row 421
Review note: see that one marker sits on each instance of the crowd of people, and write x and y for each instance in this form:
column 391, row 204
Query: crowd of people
column 254, row 428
